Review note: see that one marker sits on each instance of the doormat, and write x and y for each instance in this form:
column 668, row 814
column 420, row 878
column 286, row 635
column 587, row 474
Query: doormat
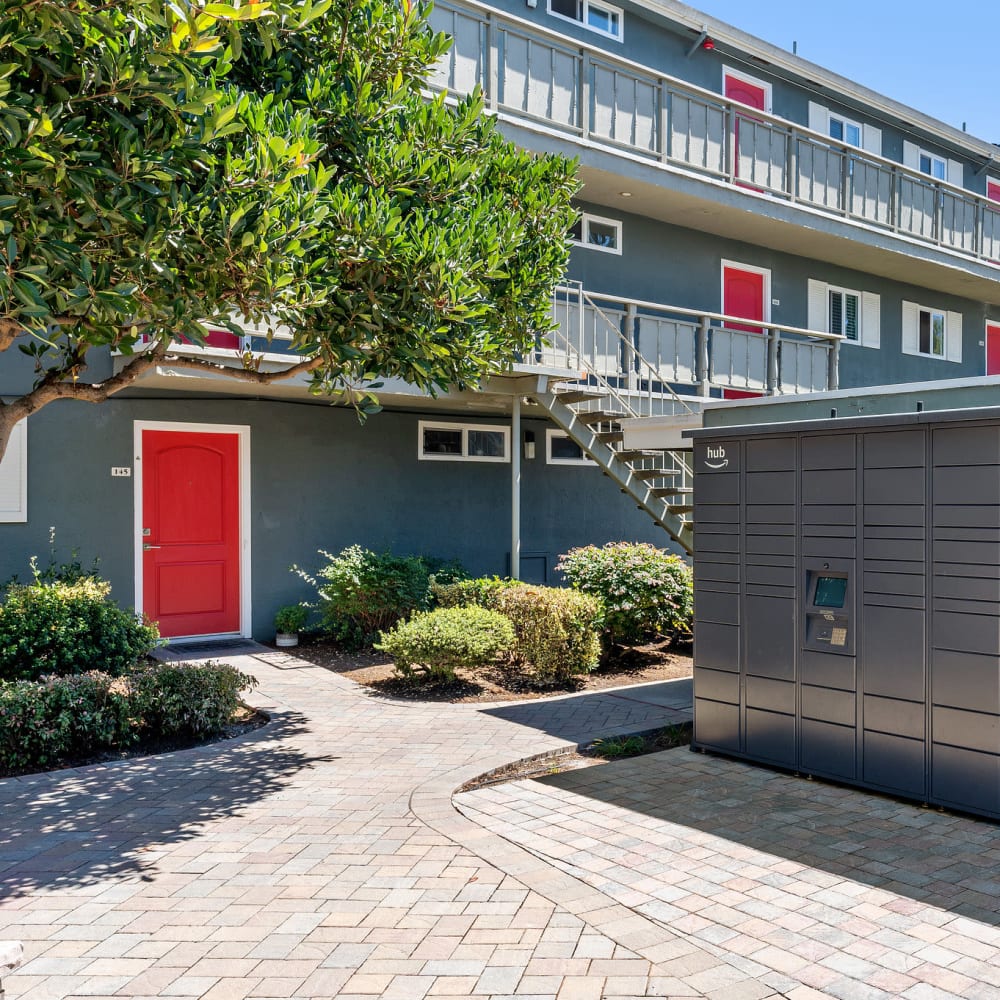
column 182, row 650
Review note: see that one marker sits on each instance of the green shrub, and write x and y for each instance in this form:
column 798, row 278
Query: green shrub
column 58, row 718
column 291, row 618
column 69, row 628
column 558, row 630
column 645, row 591
column 462, row 593
column 186, row 699
column 438, row 642
column 363, row 593
column 54, row 720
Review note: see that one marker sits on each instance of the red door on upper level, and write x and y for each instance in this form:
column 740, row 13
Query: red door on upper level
column 191, row 531
column 743, row 293
column 746, row 92
column 993, row 348
column 738, row 89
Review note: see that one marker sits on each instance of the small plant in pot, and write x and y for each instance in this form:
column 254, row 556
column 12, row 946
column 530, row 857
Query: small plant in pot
column 288, row 622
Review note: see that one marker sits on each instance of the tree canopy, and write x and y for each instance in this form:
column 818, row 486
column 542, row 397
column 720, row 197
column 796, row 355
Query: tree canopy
column 167, row 164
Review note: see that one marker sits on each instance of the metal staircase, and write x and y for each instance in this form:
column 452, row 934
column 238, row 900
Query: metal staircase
column 611, row 382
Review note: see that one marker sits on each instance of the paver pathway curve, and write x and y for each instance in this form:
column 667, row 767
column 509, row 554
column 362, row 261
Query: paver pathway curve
column 321, row 857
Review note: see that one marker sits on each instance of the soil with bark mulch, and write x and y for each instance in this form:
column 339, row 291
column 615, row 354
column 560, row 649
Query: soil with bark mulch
column 622, row 667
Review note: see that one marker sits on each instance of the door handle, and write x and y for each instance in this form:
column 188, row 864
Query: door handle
column 146, row 546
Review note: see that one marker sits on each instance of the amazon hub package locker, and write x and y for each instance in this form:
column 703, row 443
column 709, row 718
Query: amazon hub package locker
column 847, row 601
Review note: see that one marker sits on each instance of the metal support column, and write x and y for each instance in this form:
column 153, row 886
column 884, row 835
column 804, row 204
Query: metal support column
column 515, row 490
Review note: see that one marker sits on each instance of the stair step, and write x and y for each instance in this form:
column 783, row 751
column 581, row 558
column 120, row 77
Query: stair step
column 599, row 416
column 655, row 473
column 579, row 395
column 680, row 509
column 634, row 454
column 610, row 437
column 672, row 491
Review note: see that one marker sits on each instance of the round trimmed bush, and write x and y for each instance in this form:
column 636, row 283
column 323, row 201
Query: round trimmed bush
column 436, row 643
column 558, row 630
column 645, row 591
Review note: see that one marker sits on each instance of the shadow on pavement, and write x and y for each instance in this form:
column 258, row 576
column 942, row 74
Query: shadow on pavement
column 106, row 821
column 603, row 713
column 931, row 858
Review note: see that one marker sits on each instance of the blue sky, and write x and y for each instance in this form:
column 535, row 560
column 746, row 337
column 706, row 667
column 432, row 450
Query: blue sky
column 935, row 57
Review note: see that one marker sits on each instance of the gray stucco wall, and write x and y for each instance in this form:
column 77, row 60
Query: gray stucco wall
column 319, row 480
column 683, row 267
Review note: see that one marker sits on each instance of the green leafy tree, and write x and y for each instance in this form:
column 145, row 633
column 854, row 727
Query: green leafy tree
column 166, row 165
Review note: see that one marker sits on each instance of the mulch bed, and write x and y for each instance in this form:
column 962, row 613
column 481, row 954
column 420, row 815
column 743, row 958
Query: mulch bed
column 624, row 666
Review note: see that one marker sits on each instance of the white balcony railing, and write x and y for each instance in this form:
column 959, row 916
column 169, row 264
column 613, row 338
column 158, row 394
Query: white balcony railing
column 645, row 349
column 534, row 74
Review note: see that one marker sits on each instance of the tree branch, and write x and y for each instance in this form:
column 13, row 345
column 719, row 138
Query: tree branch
column 245, row 374
column 53, row 386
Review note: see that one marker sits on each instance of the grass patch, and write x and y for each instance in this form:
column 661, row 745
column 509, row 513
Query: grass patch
column 619, row 747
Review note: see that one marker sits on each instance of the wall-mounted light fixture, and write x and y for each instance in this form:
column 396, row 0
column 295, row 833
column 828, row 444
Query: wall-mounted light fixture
column 529, row 444
column 703, row 41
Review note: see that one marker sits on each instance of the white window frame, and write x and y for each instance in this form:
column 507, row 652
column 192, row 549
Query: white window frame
column 846, row 291
column 15, row 465
column 845, row 121
column 584, row 7
column 550, row 434
column 931, row 312
column 586, row 219
column 934, row 158
column 448, row 425
column 953, row 335
column 869, row 312
column 753, row 81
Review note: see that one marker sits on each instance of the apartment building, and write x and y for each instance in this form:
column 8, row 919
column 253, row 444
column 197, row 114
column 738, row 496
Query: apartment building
column 751, row 225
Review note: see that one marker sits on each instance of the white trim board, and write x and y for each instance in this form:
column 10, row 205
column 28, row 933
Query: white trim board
column 243, row 431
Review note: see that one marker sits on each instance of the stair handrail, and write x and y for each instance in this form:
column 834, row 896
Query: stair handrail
column 687, row 472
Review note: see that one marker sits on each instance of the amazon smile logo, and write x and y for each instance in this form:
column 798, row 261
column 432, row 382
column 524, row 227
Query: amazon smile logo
column 719, row 454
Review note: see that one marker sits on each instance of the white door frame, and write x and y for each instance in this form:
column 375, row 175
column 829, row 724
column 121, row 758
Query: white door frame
column 737, row 266
column 243, row 433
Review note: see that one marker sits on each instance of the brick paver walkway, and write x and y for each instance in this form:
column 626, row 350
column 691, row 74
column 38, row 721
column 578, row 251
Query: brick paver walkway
column 322, row 857
column 318, row 857
column 855, row 895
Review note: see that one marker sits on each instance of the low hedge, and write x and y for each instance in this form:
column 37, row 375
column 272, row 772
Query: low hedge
column 69, row 627
column 558, row 630
column 56, row 720
column 433, row 644
column 462, row 593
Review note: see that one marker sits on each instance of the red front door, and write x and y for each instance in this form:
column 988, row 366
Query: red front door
column 191, row 531
column 742, row 295
column 746, row 93
column 992, row 349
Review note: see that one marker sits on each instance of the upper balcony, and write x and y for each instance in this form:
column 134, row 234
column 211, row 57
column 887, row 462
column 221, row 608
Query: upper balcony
column 808, row 193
